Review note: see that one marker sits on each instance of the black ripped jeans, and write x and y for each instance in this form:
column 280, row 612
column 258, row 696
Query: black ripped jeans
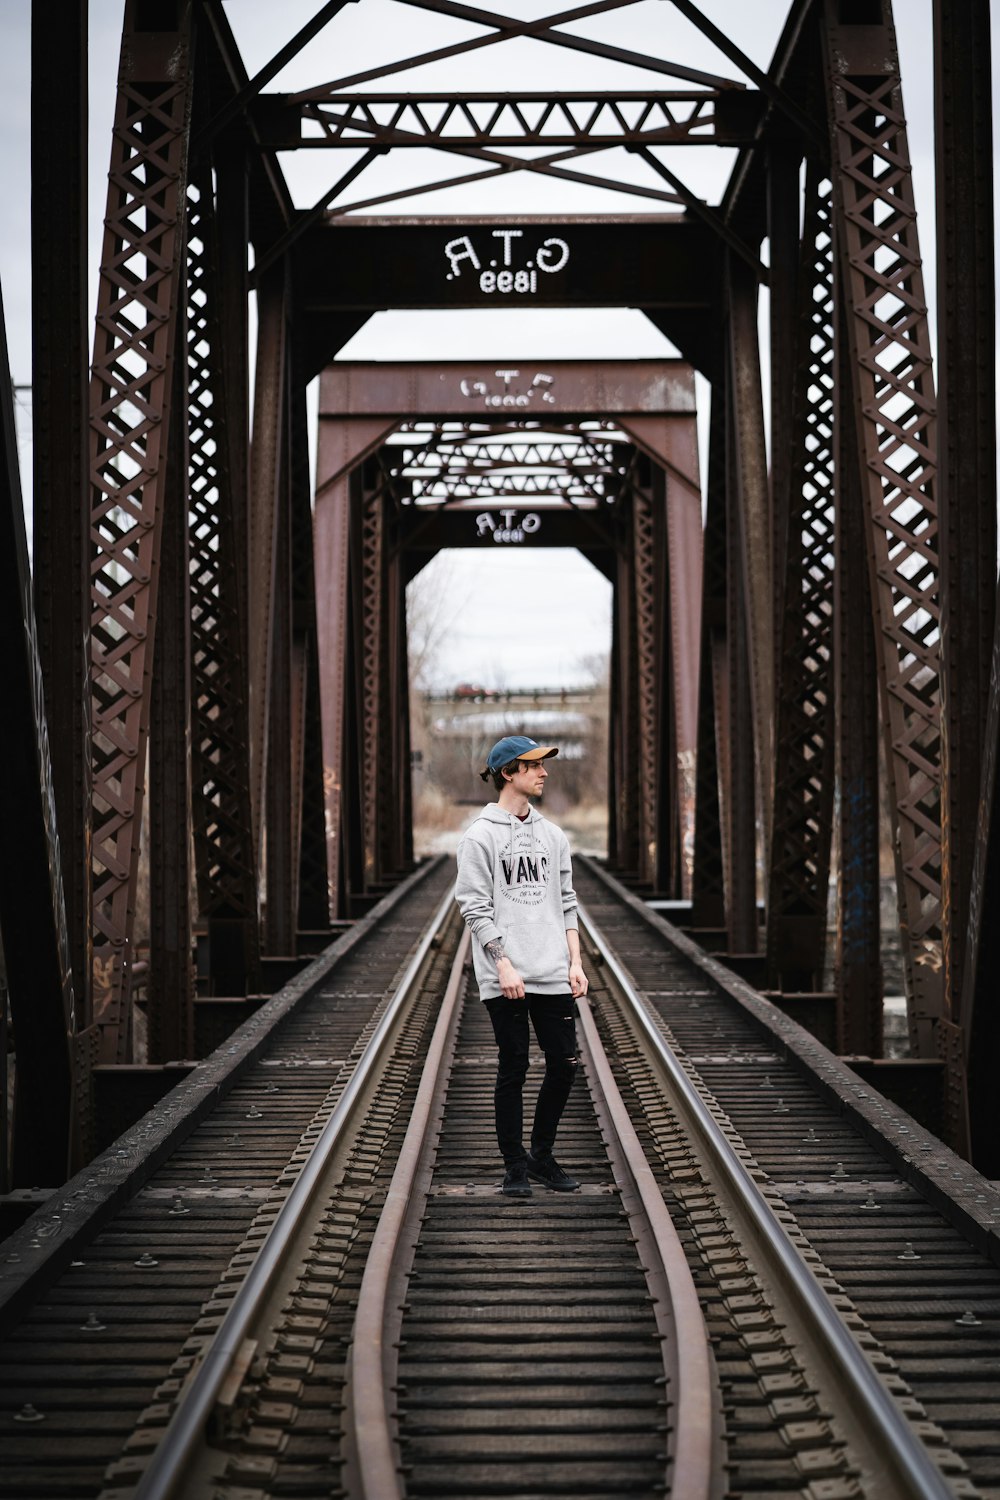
column 552, row 1019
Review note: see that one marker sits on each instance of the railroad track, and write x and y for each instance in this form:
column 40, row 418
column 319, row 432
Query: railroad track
column 717, row 1311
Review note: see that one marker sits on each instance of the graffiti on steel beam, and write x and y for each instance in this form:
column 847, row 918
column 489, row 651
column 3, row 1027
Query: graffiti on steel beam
column 513, row 527
column 509, row 266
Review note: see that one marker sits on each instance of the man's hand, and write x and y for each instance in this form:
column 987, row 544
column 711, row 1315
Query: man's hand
column 577, row 981
column 511, row 983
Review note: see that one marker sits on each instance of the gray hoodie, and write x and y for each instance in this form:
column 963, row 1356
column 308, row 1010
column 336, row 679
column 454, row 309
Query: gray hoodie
column 515, row 882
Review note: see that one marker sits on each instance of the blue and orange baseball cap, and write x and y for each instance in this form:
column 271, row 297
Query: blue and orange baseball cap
column 516, row 747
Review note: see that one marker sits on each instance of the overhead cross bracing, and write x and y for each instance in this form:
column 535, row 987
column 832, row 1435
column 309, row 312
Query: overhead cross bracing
column 460, row 465
column 842, row 588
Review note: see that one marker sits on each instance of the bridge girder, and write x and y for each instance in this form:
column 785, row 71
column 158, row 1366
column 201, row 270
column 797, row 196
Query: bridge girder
column 197, row 532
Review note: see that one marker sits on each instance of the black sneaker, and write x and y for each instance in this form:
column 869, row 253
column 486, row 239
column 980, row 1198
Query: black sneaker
column 546, row 1169
column 515, row 1183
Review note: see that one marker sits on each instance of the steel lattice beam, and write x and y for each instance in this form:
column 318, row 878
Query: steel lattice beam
column 222, row 819
column 804, row 730
column 665, row 117
column 893, row 394
column 135, row 345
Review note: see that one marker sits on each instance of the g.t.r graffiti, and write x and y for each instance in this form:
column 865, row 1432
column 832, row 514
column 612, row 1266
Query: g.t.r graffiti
column 513, row 526
column 522, row 394
column 507, row 266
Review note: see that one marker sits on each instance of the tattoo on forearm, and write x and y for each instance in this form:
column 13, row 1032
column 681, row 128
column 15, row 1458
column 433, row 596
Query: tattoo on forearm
column 495, row 949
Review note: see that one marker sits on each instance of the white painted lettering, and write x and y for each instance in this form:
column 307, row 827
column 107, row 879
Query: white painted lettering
column 485, row 523
column 507, row 235
column 554, row 258
column 459, row 250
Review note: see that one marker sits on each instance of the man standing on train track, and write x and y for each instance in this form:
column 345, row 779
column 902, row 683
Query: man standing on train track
column 515, row 891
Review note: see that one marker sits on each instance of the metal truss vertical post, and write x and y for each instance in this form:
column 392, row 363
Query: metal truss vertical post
column 966, row 315
column 966, row 480
column 625, row 712
column 740, row 800
column 667, row 868
column 370, row 580
column 858, row 963
column 312, row 898
column 708, row 906
column 783, row 208
column 130, row 412
column 646, row 652
column 798, row 879
column 751, row 532
column 33, row 930
column 60, row 363
column 225, row 861
column 281, row 860
column 170, row 990
column 893, row 394
column 267, row 458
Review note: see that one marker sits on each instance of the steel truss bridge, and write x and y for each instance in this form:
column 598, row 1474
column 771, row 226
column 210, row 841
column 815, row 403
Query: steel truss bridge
column 212, row 648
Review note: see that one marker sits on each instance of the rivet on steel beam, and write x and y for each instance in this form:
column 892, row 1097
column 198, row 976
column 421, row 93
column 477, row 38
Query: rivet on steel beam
column 145, row 1261
column 93, row 1325
column 811, row 1135
column 272, row 1088
column 781, row 1108
column 838, row 1170
column 179, row 1207
column 253, row 1113
column 767, row 1084
column 969, row 1320
column 29, row 1414
column 870, row 1202
column 908, row 1254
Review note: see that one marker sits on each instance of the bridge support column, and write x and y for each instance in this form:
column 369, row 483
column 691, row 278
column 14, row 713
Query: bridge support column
column 708, row 902
column 802, row 808
column 225, row 860
column 131, row 412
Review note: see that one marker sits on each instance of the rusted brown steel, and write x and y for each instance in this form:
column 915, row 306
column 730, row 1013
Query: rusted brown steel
column 134, row 349
column 804, row 726
column 541, row 29
column 60, row 496
column 225, row 861
column 623, row 709
column 36, row 950
column 966, row 479
column 708, row 902
column 752, row 536
column 243, row 96
column 170, row 981
column 692, row 117
column 267, row 458
column 966, row 307
column 480, row 390
column 311, row 902
column 673, row 443
column 893, row 394
column 280, row 841
column 858, row 959
column 647, row 638
column 740, row 784
column 978, row 1013
column 342, row 445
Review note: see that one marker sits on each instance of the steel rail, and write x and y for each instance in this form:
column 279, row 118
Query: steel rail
column 695, row 1454
column 167, row 1467
column 898, row 1445
column 371, row 1364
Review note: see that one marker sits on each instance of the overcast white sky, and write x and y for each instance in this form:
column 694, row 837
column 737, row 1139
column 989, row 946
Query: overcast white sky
column 533, row 618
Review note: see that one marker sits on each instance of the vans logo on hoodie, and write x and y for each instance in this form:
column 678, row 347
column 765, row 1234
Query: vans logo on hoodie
column 524, row 875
